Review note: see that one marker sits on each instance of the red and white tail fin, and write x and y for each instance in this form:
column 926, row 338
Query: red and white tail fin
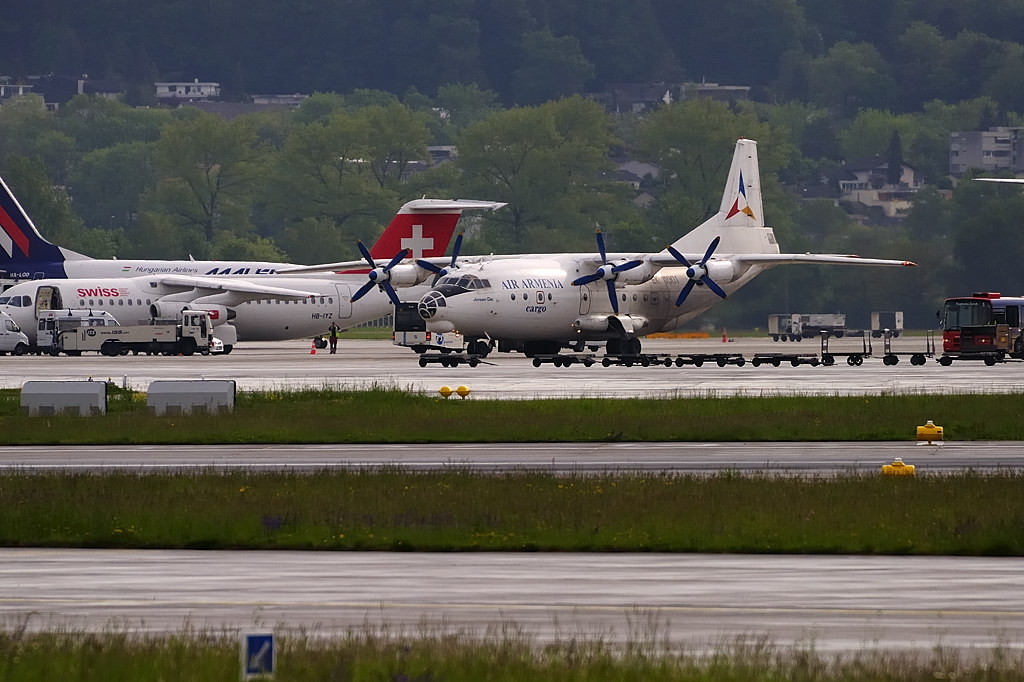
column 425, row 227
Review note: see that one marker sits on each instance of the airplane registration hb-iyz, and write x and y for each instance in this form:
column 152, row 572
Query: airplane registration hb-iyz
column 247, row 300
column 542, row 303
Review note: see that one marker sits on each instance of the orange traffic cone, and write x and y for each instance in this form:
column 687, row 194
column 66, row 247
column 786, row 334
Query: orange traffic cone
column 312, row 347
column 725, row 337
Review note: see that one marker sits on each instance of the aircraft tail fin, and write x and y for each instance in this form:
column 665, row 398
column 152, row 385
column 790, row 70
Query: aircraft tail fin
column 425, row 226
column 740, row 218
column 24, row 253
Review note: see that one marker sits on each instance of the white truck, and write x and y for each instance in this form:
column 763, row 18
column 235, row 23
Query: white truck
column 799, row 326
column 52, row 323
column 192, row 333
column 12, row 339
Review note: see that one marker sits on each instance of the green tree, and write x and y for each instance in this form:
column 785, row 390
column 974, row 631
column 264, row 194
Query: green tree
column 850, row 77
column 397, row 136
column 551, row 67
column 547, row 163
column 693, row 142
column 207, row 169
column 322, row 177
column 23, row 119
column 107, row 184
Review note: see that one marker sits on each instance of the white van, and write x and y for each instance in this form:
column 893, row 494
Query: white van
column 12, row 339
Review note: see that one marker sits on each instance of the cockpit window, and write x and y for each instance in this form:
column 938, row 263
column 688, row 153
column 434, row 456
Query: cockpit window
column 467, row 282
column 4, row 300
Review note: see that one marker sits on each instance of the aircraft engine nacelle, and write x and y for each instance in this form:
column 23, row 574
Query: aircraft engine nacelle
column 721, row 270
column 169, row 310
column 218, row 314
column 408, row 275
column 591, row 323
column 638, row 275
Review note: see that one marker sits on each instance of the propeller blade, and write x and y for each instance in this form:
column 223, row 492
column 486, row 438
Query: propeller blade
column 390, row 291
column 586, row 279
column 612, row 295
column 685, row 292
column 396, row 260
column 366, row 253
column 362, row 291
column 600, row 246
column 711, row 249
column 427, row 265
column 678, row 256
column 455, row 250
column 628, row 265
column 714, row 287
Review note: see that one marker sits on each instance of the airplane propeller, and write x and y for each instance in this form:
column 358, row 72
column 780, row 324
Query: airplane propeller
column 379, row 277
column 608, row 272
column 441, row 272
column 697, row 273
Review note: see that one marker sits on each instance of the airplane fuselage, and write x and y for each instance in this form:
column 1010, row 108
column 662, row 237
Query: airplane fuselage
column 131, row 301
column 534, row 300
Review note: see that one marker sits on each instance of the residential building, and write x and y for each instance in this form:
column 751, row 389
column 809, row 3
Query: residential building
column 995, row 149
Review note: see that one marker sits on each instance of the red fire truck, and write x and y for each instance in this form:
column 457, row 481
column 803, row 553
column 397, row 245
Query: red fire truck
column 984, row 326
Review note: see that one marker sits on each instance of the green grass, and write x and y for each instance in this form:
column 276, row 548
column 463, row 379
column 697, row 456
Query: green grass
column 503, row 654
column 391, row 415
column 457, row 510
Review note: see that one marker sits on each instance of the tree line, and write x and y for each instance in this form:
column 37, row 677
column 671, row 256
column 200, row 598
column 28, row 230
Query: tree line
column 841, row 55
column 303, row 185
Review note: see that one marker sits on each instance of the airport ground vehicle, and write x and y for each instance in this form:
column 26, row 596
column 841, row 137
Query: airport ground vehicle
column 984, row 326
column 799, row 326
column 886, row 320
column 191, row 333
column 411, row 330
column 12, row 339
column 52, row 323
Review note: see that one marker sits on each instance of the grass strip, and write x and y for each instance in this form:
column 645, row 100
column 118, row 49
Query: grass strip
column 392, row 416
column 459, row 510
column 503, row 653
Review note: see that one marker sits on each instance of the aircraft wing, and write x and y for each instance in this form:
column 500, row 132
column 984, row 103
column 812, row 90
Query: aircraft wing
column 1012, row 181
column 666, row 259
column 231, row 291
column 831, row 259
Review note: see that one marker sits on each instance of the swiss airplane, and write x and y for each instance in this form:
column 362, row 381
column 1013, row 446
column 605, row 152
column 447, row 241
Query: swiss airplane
column 258, row 304
column 539, row 304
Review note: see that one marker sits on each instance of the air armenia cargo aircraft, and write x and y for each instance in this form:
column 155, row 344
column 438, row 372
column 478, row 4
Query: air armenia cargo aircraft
column 542, row 303
column 258, row 304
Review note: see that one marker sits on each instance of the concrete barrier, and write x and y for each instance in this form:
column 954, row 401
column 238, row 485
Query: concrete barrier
column 78, row 398
column 170, row 398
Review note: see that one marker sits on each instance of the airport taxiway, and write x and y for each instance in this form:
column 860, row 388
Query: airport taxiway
column 368, row 363
column 829, row 602
column 694, row 601
column 561, row 458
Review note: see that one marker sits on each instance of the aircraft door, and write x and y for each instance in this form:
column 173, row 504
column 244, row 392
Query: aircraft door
column 585, row 294
column 48, row 298
column 344, row 301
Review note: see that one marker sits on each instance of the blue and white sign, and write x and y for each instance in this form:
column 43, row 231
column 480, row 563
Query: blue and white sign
column 257, row 656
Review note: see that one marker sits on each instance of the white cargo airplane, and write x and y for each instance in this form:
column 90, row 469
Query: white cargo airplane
column 542, row 303
column 258, row 304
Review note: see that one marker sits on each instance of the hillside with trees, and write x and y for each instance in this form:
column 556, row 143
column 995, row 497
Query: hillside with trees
column 502, row 82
